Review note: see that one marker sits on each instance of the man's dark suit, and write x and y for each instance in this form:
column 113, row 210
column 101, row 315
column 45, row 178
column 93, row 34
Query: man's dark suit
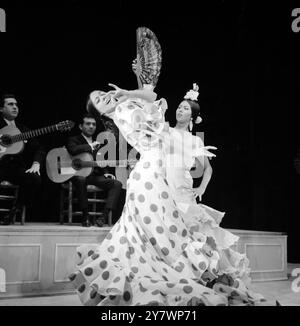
column 77, row 145
column 13, row 167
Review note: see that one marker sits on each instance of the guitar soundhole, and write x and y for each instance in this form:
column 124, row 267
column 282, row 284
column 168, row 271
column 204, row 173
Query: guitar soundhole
column 76, row 164
column 5, row 140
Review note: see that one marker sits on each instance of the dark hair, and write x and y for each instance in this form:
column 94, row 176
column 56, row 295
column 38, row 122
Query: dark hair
column 4, row 97
column 105, row 121
column 90, row 107
column 87, row 116
column 195, row 107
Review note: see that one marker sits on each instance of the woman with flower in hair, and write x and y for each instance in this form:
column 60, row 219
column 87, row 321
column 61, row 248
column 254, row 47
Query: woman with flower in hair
column 228, row 268
column 150, row 256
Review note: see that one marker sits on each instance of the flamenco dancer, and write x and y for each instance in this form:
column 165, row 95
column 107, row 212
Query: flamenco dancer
column 150, row 257
column 201, row 219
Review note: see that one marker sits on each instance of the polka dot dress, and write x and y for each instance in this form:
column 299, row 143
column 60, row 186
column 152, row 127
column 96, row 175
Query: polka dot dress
column 150, row 257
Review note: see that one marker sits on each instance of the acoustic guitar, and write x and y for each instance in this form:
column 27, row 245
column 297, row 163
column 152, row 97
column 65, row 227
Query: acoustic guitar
column 61, row 166
column 12, row 140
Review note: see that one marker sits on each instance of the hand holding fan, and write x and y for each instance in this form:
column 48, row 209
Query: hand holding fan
column 149, row 57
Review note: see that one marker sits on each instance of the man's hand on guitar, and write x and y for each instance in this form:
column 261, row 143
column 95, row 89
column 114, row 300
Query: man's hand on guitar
column 35, row 168
column 109, row 176
column 95, row 145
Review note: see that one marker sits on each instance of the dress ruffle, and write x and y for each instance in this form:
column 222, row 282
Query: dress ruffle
column 150, row 256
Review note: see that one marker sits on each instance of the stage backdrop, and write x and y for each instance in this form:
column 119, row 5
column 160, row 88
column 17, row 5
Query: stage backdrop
column 243, row 57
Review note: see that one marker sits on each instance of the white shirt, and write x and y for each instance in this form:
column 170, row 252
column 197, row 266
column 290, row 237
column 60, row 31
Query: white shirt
column 89, row 140
column 10, row 122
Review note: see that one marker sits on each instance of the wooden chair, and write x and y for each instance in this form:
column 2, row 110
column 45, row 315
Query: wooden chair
column 10, row 192
column 67, row 201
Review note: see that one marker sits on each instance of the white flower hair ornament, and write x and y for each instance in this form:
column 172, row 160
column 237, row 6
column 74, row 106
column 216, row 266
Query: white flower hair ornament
column 198, row 120
column 193, row 93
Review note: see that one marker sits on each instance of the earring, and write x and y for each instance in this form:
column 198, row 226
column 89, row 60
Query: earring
column 191, row 125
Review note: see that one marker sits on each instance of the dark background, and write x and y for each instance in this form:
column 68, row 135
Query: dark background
column 243, row 56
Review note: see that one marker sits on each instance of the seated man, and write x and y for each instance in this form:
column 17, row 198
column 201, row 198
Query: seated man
column 22, row 168
column 100, row 177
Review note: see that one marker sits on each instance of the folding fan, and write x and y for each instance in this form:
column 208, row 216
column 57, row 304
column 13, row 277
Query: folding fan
column 149, row 56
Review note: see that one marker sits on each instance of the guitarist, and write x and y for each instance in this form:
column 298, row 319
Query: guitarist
column 23, row 168
column 100, row 177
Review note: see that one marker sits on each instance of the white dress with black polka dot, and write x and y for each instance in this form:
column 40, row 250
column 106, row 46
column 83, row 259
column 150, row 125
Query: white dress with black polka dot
column 150, row 257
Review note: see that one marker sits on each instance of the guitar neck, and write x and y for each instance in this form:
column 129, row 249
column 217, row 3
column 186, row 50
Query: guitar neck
column 105, row 163
column 34, row 133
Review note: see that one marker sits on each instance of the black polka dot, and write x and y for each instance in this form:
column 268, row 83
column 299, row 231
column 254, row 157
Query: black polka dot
column 184, row 233
column 153, row 208
column 175, row 214
column 184, row 281
column 187, row 289
column 117, row 279
column 173, row 228
column 123, row 240
column 155, row 292
column 111, row 249
column 126, row 296
column 159, row 229
column 109, row 236
column 95, row 256
column 170, row 285
column 91, row 252
column 165, row 251
column 81, row 288
column 93, row 294
column 153, row 241
column 147, row 220
column 105, row 275
column 202, row 265
column 141, row 198
column 135, row 269
column 164, row 195
column 136, row 176
column 88, row 271
column 72, row 277
column 103, row 264
column 142, row 260
column 172, row 243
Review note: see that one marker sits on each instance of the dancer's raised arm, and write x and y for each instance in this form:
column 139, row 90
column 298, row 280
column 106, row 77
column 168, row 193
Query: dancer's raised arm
column 146, row 93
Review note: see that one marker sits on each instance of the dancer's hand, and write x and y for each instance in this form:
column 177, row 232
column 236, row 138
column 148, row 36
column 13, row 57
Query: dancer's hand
column 134, row 67
column 199, row 192
column 206, row 152
column 35, row 168
column 109, row 176
column 118, row 92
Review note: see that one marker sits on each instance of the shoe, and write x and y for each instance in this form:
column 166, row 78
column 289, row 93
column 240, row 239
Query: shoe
column 10, row 218
column 86, row 221
column 100, row 221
